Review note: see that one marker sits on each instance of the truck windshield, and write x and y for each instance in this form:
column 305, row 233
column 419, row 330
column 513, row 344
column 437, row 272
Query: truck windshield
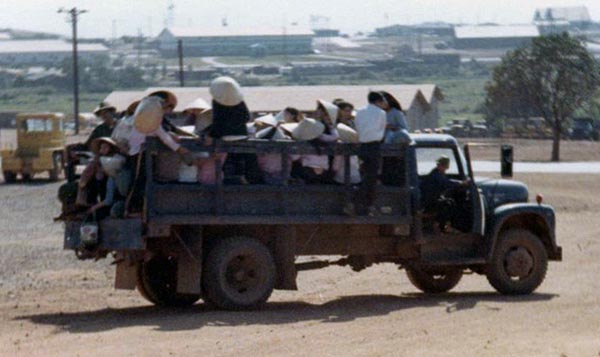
column 37, row 125
column 427, row 157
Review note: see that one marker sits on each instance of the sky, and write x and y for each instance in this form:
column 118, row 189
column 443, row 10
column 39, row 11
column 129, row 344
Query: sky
column 106, row 18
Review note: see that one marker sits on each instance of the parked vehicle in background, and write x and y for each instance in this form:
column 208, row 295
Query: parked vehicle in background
column 40, row 147
column 584, row 129
column 464, row 128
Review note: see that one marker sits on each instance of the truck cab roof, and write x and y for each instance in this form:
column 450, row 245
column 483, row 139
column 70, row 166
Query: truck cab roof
column 434, row 140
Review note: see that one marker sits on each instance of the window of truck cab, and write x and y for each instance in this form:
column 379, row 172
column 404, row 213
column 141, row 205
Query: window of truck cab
column 37, row 125
column 427, row 160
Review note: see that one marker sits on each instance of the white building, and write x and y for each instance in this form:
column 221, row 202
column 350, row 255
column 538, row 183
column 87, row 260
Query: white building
column 45, row 52
column 229, row 41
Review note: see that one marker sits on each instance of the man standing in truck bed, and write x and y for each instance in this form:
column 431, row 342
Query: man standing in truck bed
column 370, row 125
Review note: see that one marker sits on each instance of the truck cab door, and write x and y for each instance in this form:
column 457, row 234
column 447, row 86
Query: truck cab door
column 477, row 201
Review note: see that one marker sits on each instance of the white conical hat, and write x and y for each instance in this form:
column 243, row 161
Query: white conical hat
column 268, row 120
column 331, row 109
column 198, row 104
column 347, row 134
column 226, row 91
column 307, row 129
column 112, row 164
column 148, row 115
column 277, row 134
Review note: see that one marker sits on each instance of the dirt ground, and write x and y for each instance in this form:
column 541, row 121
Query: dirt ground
column 53, row 304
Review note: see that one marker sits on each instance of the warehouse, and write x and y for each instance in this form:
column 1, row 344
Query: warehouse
column 227, row 41
column 46, row 52
column 494, row 36
column 420, row 102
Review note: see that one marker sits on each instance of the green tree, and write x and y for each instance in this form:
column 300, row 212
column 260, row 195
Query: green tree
column 552, row 77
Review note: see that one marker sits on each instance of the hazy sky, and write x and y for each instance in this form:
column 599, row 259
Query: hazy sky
column 348, row 15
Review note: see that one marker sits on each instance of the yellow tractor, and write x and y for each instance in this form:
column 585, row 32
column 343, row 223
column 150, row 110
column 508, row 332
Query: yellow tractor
column 40, row 147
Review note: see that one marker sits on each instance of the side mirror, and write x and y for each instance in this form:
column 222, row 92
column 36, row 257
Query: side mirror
column 506, row 161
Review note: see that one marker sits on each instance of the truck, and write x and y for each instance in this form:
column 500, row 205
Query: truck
column 41, row 139
column 231, row 245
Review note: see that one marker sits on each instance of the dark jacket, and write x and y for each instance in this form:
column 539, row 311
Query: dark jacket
column 229, row 120
column 433, row 186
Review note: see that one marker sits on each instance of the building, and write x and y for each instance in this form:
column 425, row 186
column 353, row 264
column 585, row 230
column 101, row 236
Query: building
column 494, row 36
column 228, row 41
column 577, row 17
column 420, row 102
column 45, row 52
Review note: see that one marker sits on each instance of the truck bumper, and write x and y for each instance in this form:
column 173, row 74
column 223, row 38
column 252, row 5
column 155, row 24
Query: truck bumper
column 114, row 234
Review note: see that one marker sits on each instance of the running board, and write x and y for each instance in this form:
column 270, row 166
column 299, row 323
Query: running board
column 455, row 262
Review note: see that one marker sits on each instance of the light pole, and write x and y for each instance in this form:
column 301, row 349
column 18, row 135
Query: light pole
column 74, row 12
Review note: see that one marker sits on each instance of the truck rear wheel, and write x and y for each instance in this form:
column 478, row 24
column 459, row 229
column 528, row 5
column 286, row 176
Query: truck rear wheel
column 157, row 283
column 239, row 274
column 9, row 177
column 434, row 280
column 519, row 263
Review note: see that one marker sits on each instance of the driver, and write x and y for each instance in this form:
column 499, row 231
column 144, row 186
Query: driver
column 435, row 187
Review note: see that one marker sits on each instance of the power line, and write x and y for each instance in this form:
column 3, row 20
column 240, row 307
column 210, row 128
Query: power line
column 74, row 14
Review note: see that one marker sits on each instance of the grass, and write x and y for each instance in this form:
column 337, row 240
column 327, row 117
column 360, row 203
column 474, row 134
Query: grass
column 44, row 99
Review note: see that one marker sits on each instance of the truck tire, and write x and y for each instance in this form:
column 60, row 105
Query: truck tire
column 239, row 274
column 157, row 283
column 9, row 177
column 54, row 173
column 434, row 280
column 519, row 263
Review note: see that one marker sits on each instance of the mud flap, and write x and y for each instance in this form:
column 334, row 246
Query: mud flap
column 189, row 263
column 284, row 255
column 126, row 275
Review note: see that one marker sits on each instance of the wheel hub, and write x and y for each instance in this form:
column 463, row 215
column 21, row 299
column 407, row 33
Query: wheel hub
column 519, row 262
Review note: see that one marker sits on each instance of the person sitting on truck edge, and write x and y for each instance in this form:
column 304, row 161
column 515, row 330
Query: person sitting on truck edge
column 434, row 187
column 370, row 125
column 112, row 203
column 107, row 113
column 92, row 182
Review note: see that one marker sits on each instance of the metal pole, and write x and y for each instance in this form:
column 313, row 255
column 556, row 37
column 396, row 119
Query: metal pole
column 75, row 71
column 180, row 52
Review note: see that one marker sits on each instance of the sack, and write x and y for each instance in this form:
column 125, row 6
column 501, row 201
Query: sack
column 187, row 173
column 148, row 116
column 122, row 132
column 88, row 231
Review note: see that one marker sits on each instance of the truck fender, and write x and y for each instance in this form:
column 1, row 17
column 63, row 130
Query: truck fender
column 539, row 219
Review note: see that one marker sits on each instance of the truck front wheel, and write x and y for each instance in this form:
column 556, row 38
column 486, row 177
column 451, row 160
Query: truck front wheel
column 518, row 264
column 239, row 274
column 157, row 283
column 433, row 280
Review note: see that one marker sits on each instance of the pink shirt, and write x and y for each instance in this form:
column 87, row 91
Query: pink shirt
column 271, row 163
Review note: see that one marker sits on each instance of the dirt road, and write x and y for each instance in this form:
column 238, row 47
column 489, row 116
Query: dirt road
column 52, row 304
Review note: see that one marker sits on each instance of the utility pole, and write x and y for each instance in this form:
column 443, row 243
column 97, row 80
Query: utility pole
column 180, row 53
column 74, row 13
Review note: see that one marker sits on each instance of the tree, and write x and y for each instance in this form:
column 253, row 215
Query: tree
column 552, row 77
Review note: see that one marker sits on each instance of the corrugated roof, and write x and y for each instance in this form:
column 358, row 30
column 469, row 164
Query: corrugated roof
column 304, row 97
column 122, row 99
column 179, row 32
column 504, row 31
column 47, row 46
column 571, row 14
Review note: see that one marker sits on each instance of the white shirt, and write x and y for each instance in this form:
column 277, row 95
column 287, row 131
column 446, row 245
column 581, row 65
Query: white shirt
column 136, row 139
column 370, row 123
